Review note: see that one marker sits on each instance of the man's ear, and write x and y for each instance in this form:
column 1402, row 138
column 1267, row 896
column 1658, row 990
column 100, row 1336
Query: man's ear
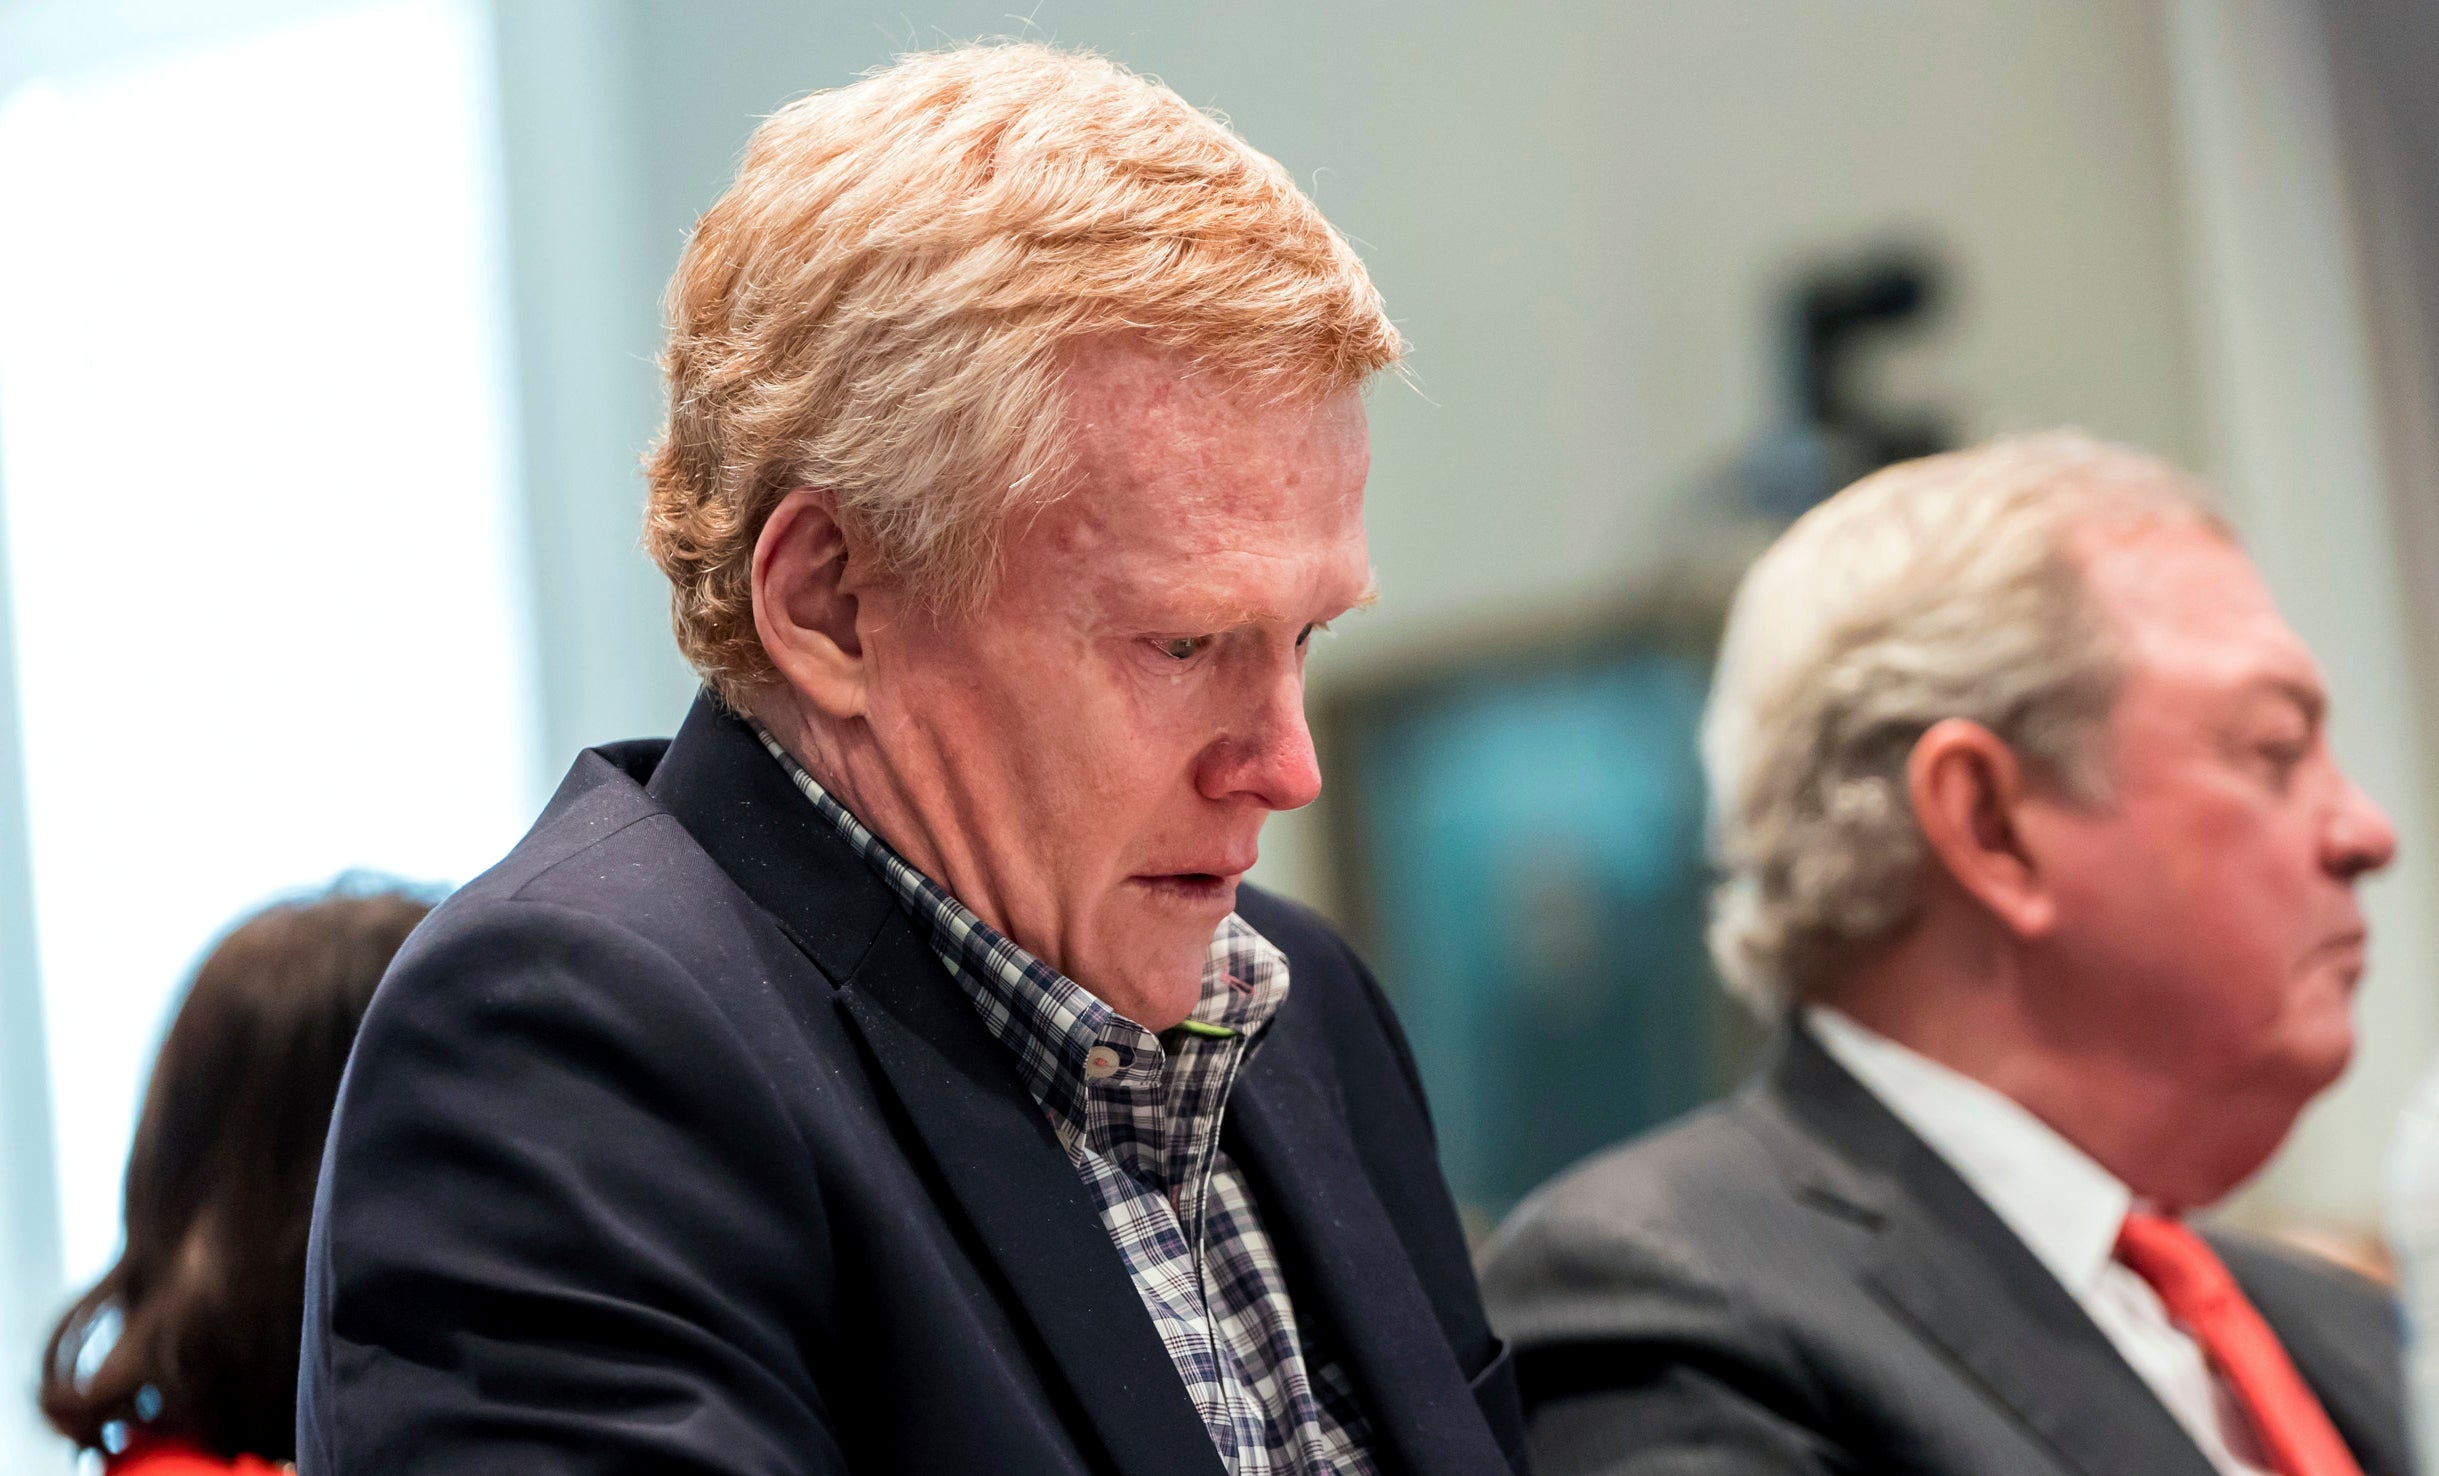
column 1968, row 790
column 806, row 588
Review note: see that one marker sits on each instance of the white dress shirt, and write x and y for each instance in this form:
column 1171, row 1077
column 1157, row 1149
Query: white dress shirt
column 2064, row 1207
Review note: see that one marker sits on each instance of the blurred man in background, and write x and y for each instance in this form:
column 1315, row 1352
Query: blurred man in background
column 2028, row 819
column 890, row 1074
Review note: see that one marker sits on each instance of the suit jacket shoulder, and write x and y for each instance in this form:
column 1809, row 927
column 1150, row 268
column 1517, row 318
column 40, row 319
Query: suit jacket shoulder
column 520, row 1195
column 1792, row 1281
column 1653, row 1294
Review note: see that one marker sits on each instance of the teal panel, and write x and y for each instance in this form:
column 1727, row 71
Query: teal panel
column 1534, row 864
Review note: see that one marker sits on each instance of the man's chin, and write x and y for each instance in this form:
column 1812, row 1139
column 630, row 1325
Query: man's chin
column 1157, row 1002
column 1157, row 985
column 2322, row 1063
column 2318, row 1046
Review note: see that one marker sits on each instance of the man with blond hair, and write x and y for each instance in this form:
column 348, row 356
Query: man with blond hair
column 891, row 1073
column 2028, row 827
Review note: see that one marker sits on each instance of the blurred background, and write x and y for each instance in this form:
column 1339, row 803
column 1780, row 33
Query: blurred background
column 326, row 340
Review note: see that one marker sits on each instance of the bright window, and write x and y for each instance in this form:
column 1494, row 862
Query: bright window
column 269, row 600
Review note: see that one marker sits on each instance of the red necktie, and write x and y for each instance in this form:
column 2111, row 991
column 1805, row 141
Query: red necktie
column 2195, row 1287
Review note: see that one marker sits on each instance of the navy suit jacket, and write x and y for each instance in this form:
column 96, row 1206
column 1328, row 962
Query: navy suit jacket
column 668, row 1145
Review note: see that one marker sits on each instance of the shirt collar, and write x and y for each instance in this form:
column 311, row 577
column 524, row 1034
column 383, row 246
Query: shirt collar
column 2061, row 1203
column 1064, row 1037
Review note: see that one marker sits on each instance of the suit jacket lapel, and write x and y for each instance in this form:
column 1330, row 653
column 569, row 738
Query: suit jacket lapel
column 1946, row 1263
column 1033, row 1216
column 2362, row 1400
column 2355, row 1371
column 1318, row 1205
column 970, row 1118
column 2034, row 1349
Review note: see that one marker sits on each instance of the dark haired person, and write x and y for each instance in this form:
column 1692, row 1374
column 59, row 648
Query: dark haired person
column 207, row 1296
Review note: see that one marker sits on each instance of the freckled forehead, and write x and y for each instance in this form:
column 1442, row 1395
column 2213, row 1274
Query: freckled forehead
column 1149, row 424
column 1184, row 487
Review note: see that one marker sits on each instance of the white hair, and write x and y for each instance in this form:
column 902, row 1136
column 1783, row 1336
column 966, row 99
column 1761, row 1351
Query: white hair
column 1948, row 587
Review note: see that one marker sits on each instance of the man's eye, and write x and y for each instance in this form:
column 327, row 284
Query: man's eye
column 2283, row 759
column 1183, row 648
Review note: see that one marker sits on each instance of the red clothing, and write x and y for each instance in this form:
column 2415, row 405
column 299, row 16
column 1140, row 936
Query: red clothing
column 145, row 1457
column 2201, row 1294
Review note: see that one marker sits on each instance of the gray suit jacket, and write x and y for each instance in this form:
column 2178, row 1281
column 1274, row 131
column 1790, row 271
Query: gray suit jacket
column 1792, row 1281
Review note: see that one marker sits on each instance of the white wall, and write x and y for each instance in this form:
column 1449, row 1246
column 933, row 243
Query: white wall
column 586, row 264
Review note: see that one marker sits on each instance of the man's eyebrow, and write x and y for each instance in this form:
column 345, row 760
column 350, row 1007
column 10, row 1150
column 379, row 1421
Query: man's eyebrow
column 1232, row 616
column 2306, row 696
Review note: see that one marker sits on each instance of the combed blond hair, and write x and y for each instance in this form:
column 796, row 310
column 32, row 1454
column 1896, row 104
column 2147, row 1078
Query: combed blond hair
column 1948, row 587
column 881, row 303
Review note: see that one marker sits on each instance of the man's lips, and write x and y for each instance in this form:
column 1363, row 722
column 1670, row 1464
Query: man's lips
column 1207, row 865
column 1213, row 882
column 2347, row 950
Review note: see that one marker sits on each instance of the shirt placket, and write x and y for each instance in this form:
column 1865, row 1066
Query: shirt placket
column 1201, row 1075
column 1130, row 1125
column 1123, row 1070
column 1202, row 1078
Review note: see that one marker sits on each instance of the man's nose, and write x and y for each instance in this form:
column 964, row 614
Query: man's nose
column 1271, row 760
column 2361, row 838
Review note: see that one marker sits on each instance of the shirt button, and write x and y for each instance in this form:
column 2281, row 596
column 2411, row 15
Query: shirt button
column 1101, row 1063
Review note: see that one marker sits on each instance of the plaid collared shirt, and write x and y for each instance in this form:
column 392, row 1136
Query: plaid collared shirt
column 1139, row 1116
